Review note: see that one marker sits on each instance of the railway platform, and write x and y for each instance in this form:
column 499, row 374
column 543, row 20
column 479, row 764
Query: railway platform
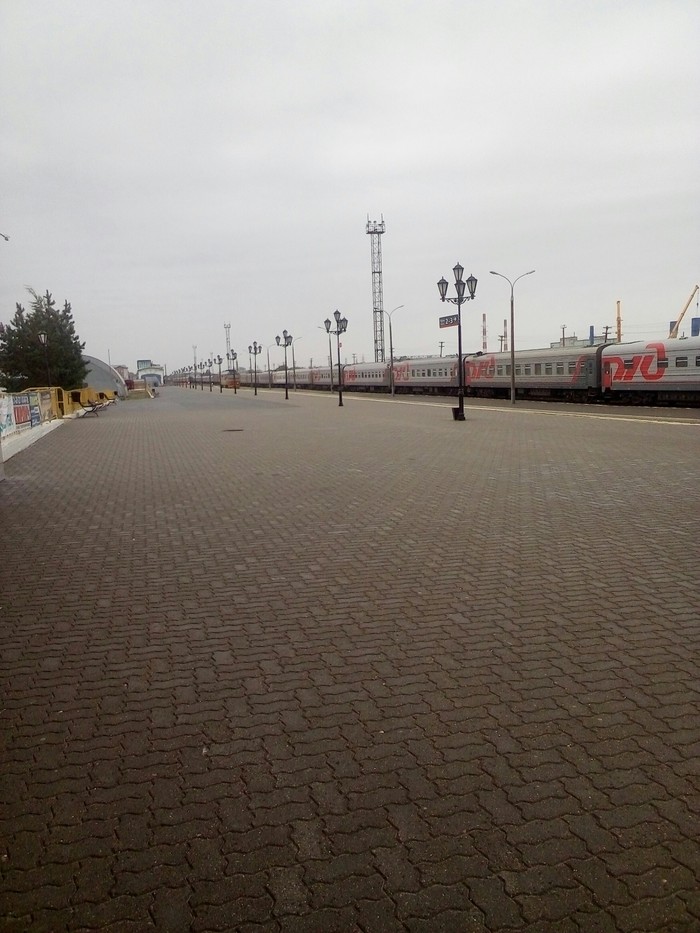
column 275, row 667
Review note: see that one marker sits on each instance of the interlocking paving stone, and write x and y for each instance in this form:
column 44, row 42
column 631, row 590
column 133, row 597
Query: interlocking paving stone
column 351, row 670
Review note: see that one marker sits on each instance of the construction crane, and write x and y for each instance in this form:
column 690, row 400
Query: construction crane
column 676, row 324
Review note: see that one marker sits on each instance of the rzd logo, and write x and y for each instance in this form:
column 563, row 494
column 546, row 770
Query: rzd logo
column 648, row 365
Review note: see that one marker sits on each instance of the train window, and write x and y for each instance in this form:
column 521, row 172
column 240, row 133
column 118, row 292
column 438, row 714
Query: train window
column 538, row 369
column 697, row 360
column 629, row 364
column 681, row 362
column 662, row 364
column 527, row 369
column 571, row 367
column 507, row 369
column 517, row 369
column 548, row 369
column 560, row 368
column 499, row 369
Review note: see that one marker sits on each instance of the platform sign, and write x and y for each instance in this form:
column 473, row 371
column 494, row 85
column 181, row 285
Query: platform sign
column 451, row 320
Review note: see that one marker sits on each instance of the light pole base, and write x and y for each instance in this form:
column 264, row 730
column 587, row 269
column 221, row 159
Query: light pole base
column 458, row 414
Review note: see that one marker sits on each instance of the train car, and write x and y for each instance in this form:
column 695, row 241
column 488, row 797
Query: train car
column 427, row 375
column 562, row 373
column 366, row 377
column 653, row 372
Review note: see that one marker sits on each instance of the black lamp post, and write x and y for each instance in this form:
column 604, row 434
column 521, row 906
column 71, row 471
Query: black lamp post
column 44, row 341
column 285, row 341
column 460, row 285
column 232, row 356
column 255, row 350
column 341, row 325
column 210, row 363
column 512, row 329
column 219, row 360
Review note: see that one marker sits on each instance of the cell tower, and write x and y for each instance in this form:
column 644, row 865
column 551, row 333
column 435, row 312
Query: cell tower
column 375, row 229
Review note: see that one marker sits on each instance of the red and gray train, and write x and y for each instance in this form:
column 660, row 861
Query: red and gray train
column 661, row 372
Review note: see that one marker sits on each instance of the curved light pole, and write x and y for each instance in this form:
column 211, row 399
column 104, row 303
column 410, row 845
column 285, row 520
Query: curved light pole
column 201, row 374
column 254, row 351
column 285, row 341
column 341, row 325
column 391, row 347
column 294, row 364
column 218, row 360
column 330, row 353
column 512, row 329
column 210, row 363
column 460, row 284
column 194, row 371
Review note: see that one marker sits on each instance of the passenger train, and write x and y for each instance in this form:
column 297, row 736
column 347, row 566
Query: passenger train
column 663, row 372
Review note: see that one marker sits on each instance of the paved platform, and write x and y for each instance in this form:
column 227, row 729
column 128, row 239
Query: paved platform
column 280, row 666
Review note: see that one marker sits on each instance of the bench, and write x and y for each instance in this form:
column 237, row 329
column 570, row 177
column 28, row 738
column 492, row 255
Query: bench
column 93, row 408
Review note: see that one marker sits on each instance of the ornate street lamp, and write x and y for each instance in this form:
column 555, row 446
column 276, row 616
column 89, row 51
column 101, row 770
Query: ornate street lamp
column 255, row 350
column 512, row 329
column 341, row 325
column 44, row 341
column 201, row 375
column 460, row 286
column 285, row 341
column 232, row 356
column 219, row 360
column 210, row 363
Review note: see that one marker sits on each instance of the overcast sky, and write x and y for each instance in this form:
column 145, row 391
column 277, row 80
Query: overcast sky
column 169, row 166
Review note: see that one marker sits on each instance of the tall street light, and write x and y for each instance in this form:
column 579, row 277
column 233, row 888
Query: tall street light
column 460, row 285
column 330, row 354
column 219, row 360
column 44, row 341
column 254, row 351
column 512, row 329
column 201, row 375
column 194, row 348
column 391, row 347
column 294, row 364
column 210, row 363
column 285, row 341
column 341, row 325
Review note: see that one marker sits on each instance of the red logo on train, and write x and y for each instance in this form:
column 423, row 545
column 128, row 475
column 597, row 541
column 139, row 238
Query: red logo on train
column 650, row 365
column 482, row 368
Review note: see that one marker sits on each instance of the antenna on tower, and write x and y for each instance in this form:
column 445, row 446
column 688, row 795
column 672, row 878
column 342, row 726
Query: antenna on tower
column 375, row 228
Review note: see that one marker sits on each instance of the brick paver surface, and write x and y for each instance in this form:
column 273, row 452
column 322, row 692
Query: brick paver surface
column 275, row 666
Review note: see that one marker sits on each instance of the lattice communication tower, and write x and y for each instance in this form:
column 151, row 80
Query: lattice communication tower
column 375, row 228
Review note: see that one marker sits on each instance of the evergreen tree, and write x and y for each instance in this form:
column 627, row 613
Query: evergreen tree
column 26, row 362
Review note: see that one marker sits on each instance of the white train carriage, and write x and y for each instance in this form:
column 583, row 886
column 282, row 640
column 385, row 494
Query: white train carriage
column 652, row 371
column 429, row 374
column 550, row 373
column 365, row 377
